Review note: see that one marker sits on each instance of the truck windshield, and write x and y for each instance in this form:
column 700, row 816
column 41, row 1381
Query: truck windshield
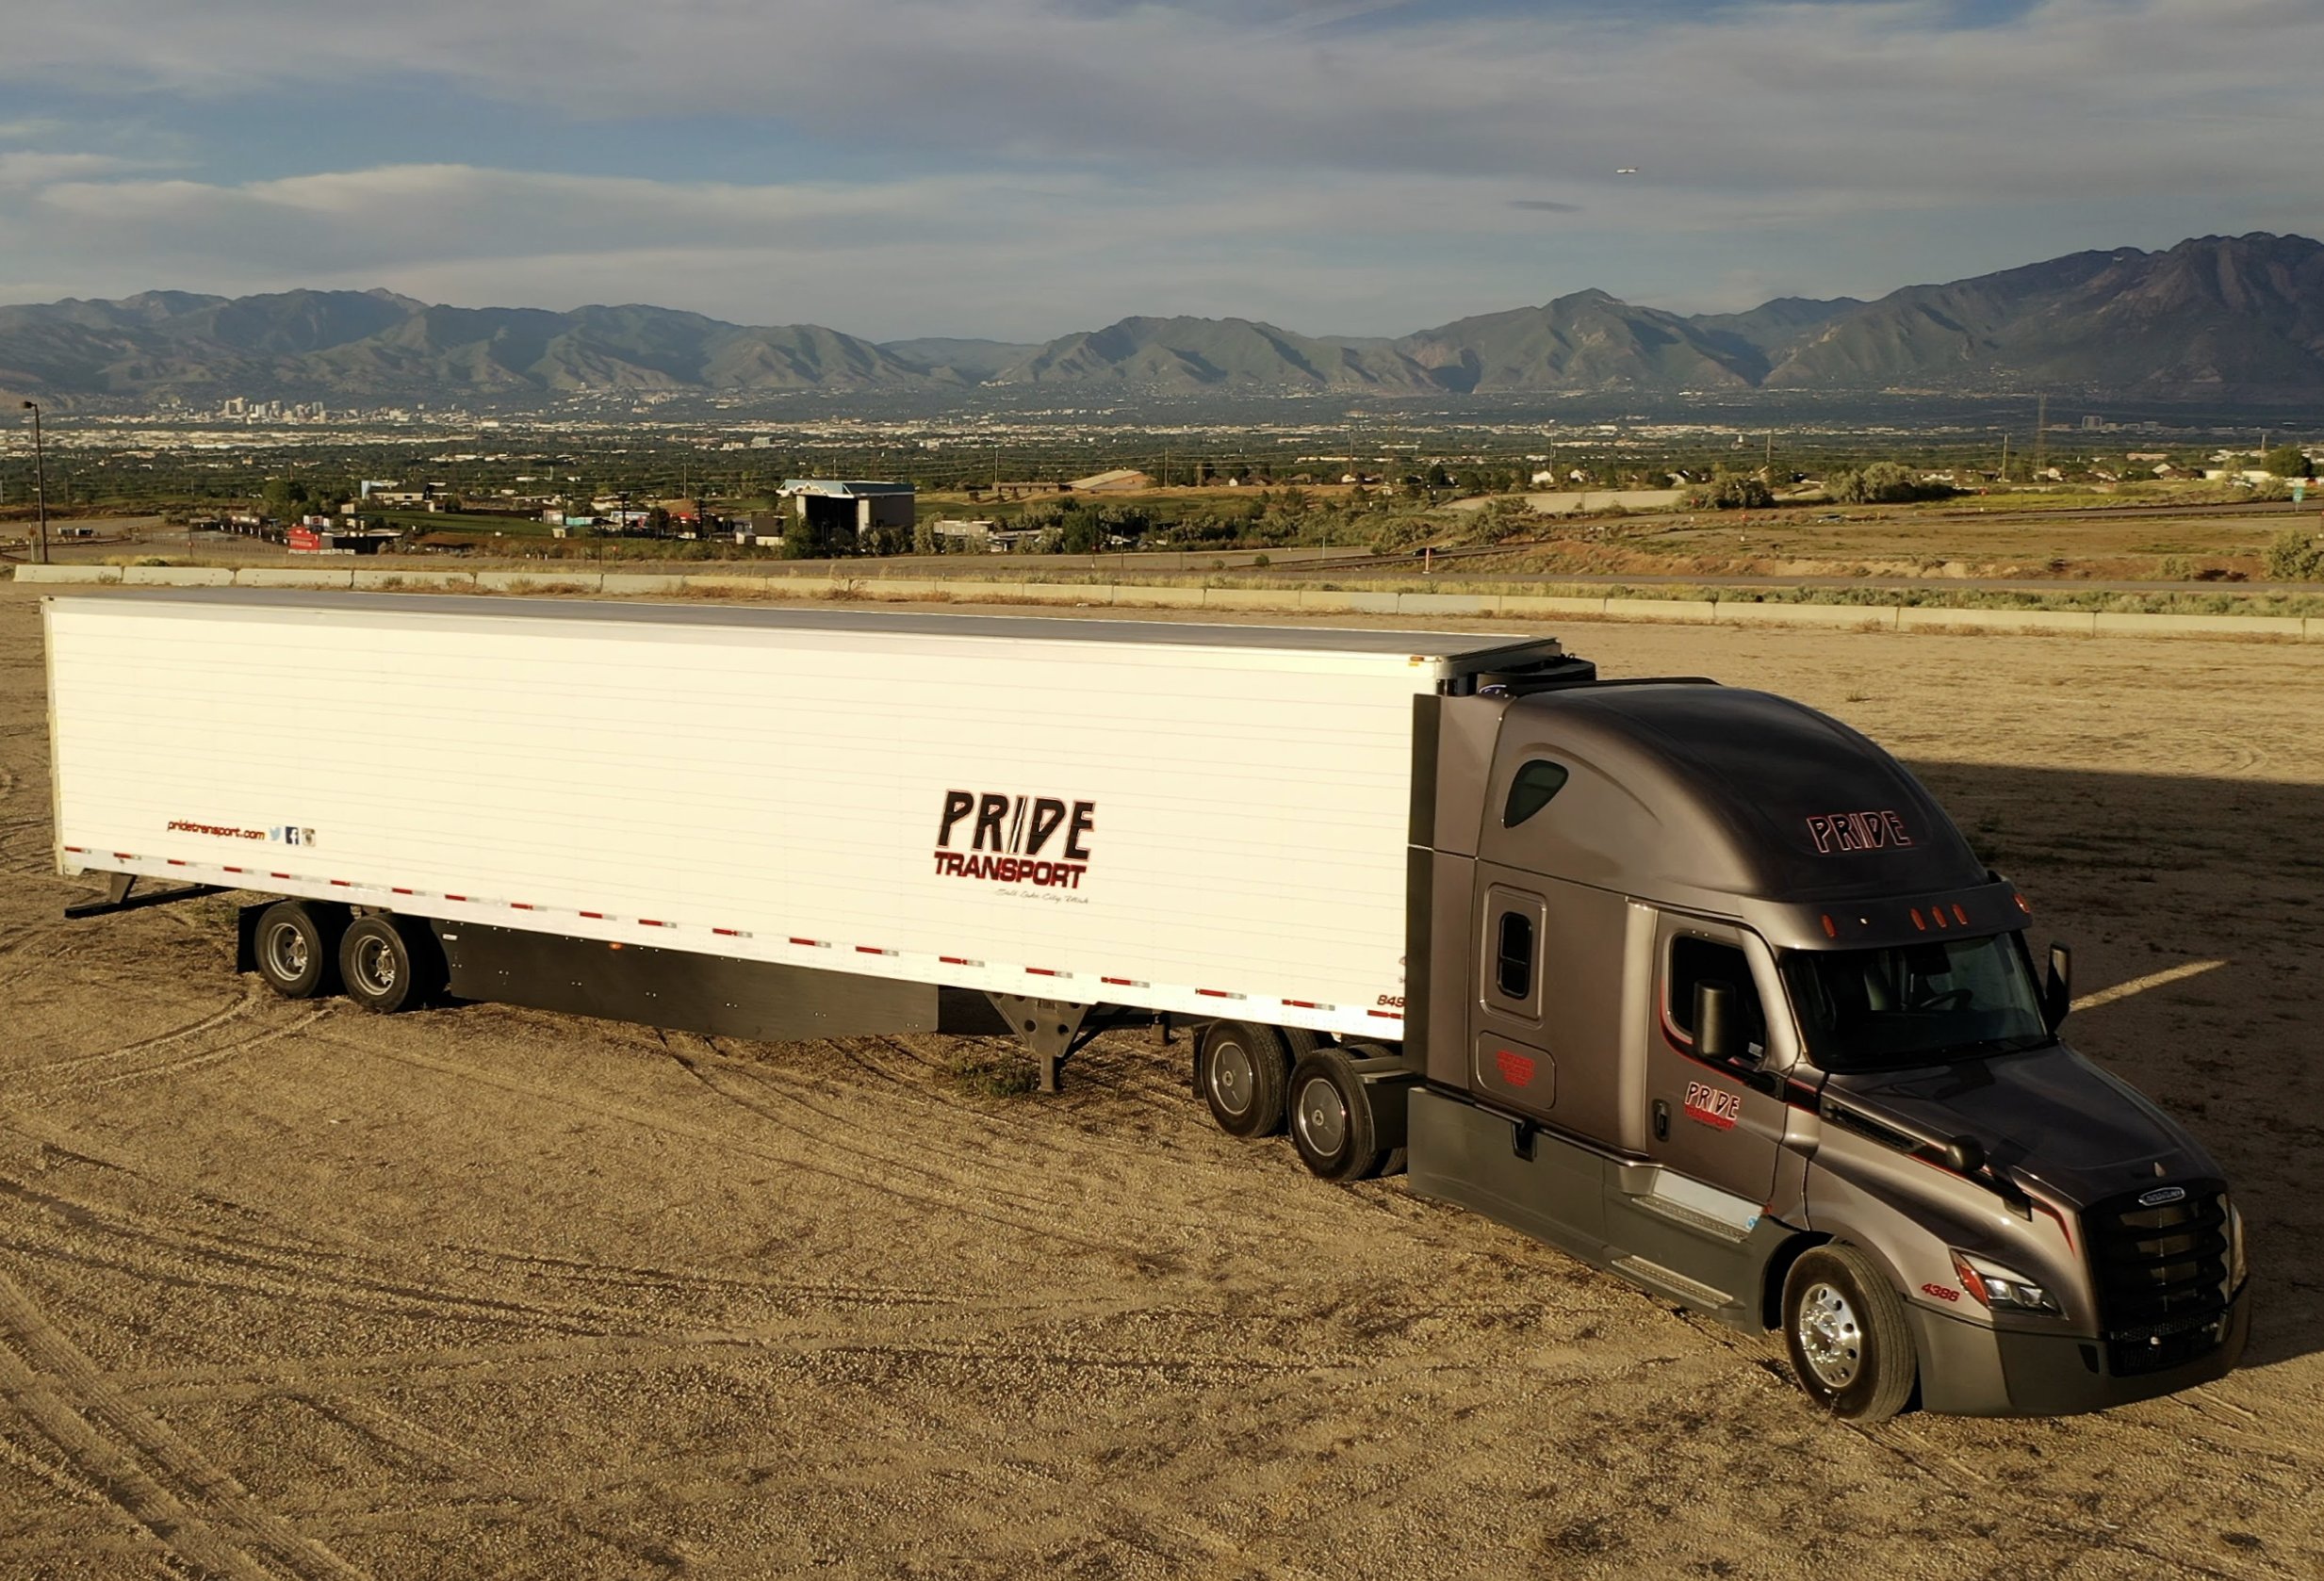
column 1915, row 1003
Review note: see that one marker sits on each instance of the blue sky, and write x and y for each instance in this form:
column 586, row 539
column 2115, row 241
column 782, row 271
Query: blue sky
column 1019, row 169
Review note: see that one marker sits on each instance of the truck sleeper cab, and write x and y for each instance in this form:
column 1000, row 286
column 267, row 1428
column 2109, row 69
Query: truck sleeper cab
column 1710, row 992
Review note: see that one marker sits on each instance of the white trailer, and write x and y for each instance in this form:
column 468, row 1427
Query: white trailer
column 1176, row 819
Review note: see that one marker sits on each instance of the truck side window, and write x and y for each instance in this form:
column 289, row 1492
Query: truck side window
column 1536, row 784
column 1512, row 969
column 1697, row 960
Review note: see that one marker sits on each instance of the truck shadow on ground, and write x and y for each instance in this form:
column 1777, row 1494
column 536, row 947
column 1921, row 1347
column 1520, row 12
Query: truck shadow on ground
column 2144, row 873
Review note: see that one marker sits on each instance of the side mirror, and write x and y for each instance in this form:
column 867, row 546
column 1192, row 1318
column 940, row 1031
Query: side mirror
column 1717, row 1036
column 2058, row 989
column 1965, row 1155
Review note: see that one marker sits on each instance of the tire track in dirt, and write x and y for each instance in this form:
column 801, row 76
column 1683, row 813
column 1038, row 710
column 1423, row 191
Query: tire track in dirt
column 735, row 1081
column 647, row 1119
column 194, row 1509
column 253, row 995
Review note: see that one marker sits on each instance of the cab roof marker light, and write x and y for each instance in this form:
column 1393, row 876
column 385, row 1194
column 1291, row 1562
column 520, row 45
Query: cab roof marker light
column 2023, row 904
column 1829, row 931
column 1960, row 914
column 1918, row 925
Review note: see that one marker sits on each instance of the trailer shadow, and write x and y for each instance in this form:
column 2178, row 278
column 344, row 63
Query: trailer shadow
column 2144, row 873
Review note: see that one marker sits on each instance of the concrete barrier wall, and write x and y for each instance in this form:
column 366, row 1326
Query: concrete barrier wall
column 1513, row 606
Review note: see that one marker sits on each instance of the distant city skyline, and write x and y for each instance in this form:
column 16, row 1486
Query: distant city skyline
column 1011, row 168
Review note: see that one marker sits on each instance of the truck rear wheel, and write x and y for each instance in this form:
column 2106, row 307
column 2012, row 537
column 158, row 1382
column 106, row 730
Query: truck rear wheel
column 1244, row 1072
column 296, row 946
column 1851, row 1348
column 389, row 963
column 1331, row 1121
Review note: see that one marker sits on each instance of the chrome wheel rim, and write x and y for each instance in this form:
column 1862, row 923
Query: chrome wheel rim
column 1322, row 1119
column 286, row 953
column 375, row 966
column 1830, row 1336
column 1231, row 1073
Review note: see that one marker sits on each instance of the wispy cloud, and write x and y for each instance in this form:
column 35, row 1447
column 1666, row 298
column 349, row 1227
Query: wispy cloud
column 1349, row 155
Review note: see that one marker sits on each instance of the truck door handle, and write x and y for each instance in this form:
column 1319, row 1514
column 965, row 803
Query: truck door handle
column 1661, row 1119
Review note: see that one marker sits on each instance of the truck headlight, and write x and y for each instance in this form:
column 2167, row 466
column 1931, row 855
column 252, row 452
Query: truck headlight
column 2002, row 1288
column 2236, row 1265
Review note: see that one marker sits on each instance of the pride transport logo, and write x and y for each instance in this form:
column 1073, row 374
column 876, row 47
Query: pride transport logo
column 1007, row 839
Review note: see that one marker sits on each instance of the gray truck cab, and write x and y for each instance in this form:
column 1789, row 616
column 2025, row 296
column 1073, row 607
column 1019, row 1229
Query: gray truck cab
column 1708, row 991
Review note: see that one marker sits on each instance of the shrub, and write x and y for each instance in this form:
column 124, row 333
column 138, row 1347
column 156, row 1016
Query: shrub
column 2295, row 556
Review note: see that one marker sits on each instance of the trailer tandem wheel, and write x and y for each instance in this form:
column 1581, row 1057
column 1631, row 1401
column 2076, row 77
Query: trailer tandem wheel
column 390, row 963
column 296, row 946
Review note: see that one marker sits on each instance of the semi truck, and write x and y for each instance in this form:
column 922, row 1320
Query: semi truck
column 1690, row 981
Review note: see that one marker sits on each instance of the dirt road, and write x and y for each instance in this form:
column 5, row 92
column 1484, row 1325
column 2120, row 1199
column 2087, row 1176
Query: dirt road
column 289, row 1290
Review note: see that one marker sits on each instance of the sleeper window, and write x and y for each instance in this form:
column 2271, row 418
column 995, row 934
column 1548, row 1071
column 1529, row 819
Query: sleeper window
column 1536, row 784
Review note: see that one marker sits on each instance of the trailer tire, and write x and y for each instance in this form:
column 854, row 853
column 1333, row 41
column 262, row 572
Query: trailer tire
column 389, row 963
column 1850, row 1345
column 295, row 946
column 1331, row 1121
column 1244, row 1073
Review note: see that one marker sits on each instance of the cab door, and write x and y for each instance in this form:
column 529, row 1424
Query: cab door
column 1706, row 1118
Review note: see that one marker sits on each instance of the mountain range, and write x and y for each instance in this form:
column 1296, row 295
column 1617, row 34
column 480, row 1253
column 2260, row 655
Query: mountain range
column 2218, row 317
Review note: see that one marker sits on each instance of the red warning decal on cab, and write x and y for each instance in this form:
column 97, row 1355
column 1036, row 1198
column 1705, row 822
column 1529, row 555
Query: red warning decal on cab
column 1713, row 1106
column 1516, row 1068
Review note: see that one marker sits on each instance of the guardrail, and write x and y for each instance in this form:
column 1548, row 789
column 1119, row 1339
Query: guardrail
column 1702, row 612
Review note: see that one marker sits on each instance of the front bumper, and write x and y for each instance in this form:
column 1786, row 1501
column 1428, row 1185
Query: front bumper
column 1968, row 1369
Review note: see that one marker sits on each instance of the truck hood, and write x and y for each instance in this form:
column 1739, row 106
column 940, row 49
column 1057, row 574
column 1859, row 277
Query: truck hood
column 2046, row 1115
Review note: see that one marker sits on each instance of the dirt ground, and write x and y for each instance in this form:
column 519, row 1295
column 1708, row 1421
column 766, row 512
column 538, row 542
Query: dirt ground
column 289, row 1290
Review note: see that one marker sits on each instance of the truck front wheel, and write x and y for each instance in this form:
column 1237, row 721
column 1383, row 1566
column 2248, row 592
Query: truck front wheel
column 1243, row 1074
column 296, row 947
column 389, row 963
column 1845, row 1329
column 1333, row 1125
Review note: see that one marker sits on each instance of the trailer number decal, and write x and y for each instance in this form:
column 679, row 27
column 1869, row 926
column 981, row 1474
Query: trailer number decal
column 1713, row 1106
column 1857, row 831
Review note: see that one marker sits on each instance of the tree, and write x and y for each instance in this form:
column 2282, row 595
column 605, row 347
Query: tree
column 799, row 540
column 2288, row 461
column 2295, row 556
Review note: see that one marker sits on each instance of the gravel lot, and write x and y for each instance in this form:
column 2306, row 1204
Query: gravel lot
column 289, row 1290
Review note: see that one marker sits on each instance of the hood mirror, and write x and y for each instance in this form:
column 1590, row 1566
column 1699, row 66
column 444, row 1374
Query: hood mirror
column 2058, row 989
column 1965, row 1155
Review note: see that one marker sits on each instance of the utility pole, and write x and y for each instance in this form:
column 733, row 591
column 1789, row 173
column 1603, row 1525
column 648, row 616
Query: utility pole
column 2041, row 436
column 39, row 485
column 2004, row 465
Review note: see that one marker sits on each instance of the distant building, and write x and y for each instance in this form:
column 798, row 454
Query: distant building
column 1120, row 481
column 965, row 537
column 830, row 506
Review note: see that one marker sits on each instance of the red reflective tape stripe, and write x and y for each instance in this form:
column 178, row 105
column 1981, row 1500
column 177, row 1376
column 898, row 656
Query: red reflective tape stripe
column 341, row 884
column 872, row 950
column 650, row 923
column 175, row 862
column 1218, row 993
column 811, row 943
column 1386, row 1015
column 1119, row 981
column 398, row 890
column 522, row 906
column 730, row 933
column 287, row 875
column 447, row 895
column 1044, row 971
column 228, row 870
column 1303, row 1004
column 124, row 857
column 955, row 960
column 599, row 916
